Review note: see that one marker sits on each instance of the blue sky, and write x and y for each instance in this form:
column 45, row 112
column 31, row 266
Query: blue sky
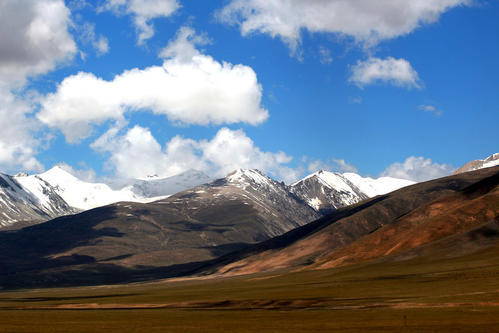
column 125, row 88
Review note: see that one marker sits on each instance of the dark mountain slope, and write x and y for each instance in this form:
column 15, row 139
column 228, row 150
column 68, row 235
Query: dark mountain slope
column 126, row 241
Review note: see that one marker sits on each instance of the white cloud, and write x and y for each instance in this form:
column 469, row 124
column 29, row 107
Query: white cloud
column 18, row 144
column 143, row 11
column 138, row 154
column 183, row 47
column 101, row 45
column 334, row 164
column 343, row 166
column 418, row 169
column 75, row 5
column 33, row 38
column 431, row 109
column 189, row 88
column 366, row 21
column 88, row 36
column 398, row 72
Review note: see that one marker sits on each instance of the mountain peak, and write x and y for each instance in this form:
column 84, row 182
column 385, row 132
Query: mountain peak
column 244, row 176
column 57, row 172
column 21, row 174
column 326, row 190
column 492, row 157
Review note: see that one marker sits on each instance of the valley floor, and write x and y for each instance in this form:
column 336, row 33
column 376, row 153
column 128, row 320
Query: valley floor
column 423, row 295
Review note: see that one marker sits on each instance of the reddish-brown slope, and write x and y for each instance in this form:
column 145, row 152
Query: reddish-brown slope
column 446, row 217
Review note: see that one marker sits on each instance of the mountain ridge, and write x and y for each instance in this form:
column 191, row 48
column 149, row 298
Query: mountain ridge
column 337, row 239
column 323, row 194
column 57, row 192
column 488, row 162
column 327, row 191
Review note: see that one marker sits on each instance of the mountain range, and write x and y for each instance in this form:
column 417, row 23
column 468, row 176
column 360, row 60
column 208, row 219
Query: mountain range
column 28, row 199
column 243, row 223
column 446, row 217
column 31, row 199
column 247, row 223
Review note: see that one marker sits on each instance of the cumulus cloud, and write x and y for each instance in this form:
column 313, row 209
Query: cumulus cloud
column 143, row 12
column 18, row 143
column 398, row 72
column 366, row 21
column 418, row 169
column 137, row 153
column 34, row 37
column 431, row 109
column 189, row 88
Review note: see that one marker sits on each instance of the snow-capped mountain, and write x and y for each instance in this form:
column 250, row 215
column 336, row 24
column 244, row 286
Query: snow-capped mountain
column 327, row 191
column 376, row 186
column 490, row 161
column 155, row 187
column 29, row 199
column 84, row 195
column 275, row 208
column 81, row 194
column 56, row 192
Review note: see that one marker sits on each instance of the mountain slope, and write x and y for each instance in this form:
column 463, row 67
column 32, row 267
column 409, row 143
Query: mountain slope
column 490, row 161
column 26, row 199
column 134, row 240
column 327, row 191
column 405, row 220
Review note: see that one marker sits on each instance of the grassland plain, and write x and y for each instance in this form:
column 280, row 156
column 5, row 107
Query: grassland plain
column 421, row 295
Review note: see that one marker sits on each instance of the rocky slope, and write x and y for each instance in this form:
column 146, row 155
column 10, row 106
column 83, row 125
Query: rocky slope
column 30, row 199
column 327, row 191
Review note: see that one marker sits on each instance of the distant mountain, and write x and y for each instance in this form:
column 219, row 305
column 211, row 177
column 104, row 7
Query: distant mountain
column 56, row 192
column 327, row 191
column 84, row 195
column 490, row 161
column 27, row 199
column 126, row 239
column 442, row 218
column 155, row 187
column 323, row 191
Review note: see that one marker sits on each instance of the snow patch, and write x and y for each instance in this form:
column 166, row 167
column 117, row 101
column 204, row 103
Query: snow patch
column 373, row 187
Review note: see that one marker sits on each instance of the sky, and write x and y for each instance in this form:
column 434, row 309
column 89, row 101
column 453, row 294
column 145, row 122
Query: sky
column 130, row 88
